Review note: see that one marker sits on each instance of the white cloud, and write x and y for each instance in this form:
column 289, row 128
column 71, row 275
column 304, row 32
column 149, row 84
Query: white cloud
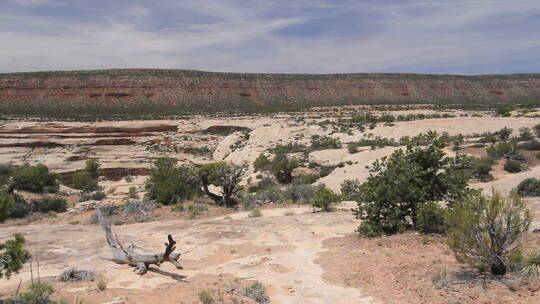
column 253, row 37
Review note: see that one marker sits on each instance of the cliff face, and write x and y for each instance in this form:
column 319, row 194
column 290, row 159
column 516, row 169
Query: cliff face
column 193, row 91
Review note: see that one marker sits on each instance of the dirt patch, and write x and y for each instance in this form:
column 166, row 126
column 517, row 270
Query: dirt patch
column 399, row 269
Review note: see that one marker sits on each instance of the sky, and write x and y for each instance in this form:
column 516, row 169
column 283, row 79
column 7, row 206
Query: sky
column 273, row 36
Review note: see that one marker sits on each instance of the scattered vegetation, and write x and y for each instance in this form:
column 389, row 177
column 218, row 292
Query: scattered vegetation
column 225, row 176
column 48, row 204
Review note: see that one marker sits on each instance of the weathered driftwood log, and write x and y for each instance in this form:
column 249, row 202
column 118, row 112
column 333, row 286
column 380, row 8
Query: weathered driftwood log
column 121, row 255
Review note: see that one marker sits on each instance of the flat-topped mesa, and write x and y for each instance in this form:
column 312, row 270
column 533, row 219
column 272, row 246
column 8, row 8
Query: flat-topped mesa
column 180, row 91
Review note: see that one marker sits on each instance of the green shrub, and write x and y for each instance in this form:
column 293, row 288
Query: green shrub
column 47, row 204
column 225, row 176
column 303, row 179
column 502, row 149
column 92, row 167
column 261, row 163
column 21, row 208
column 132, row 193
column 298, row 193
column 481, row 168
column 6, row 206
column 323, row 198
column 169, row 184
column 205, row 296
column 95, row 196
column 389, row 199
column 350, row 190
column 532, row 145
column 12, row 256
column 531, row 264
column 431, row 218
column 537, row 130
column 38, row 293
column 83, row 180
column 484, row 231
column 101, row 285
column 35, row 179
column 326, row 170
column 292, row 147
column 513, row 166
column 504, row 111
column 255, row 213
column 324, row 143
column 257, row 292
column 282, row 168
column 529, row 187
column 525, row 134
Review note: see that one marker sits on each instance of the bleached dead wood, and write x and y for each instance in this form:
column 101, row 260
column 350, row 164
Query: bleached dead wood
column 121, row 255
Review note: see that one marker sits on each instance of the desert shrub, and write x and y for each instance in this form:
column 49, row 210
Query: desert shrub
column 484, row 231
column 350, row 190
column 422, row 139
column 502, row 149
column 47, row 204
column 525, row 134
column 82, row 180
column 323, row 198
column 440, row 279
column 94, row 196
column 292, row 147
column 431, row 218
column 169, row 184
column 21, row 207
column 6, row 170
column 373, row 142
column 101, row 285
column 326, row 170
column 205, row 296
column 257, row 292
column 303, row 179
column 196, row 209
column 72, row 274
column 132, row 193
column 529, row 187
column 324, row 143
column 39, row 293
column 298, row 193
column 35, row 179
column 532, row 145
column 255, row 213
column 12, row 256
column 261, row 163
column 282, row 168
column 480, row 168
column 504, row 111
column 531, row 264
column 264, row 183
column 513, row 166
column 505, row 133
column 225, row 176
column 389, row 199
column 537, row 130
column 263, row 197
column 92, row 167
column 6, row 205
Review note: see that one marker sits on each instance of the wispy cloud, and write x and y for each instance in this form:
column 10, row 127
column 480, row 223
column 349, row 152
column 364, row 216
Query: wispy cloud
column 301, row 36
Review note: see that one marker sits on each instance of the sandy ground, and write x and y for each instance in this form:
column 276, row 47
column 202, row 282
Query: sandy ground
column 278, row 249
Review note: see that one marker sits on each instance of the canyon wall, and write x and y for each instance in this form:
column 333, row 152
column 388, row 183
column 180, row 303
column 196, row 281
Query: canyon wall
column 183, row 91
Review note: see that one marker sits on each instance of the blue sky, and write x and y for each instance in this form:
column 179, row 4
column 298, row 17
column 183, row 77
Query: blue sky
column 277, row 36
